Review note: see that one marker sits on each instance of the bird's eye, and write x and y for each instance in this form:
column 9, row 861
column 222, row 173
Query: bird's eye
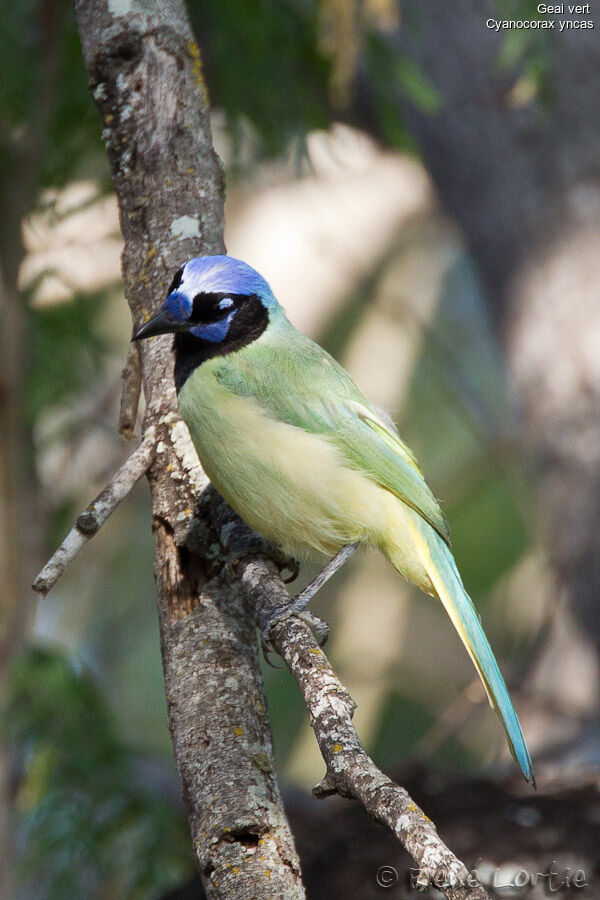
column 221, row 306
column 211, row 308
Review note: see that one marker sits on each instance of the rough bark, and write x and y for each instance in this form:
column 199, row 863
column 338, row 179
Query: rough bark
column 350, row 771
column 145, row 75
column 130, row 394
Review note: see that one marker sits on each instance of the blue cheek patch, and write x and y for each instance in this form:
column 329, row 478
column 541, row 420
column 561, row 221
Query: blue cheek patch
column 216, row 331
column 178, row 307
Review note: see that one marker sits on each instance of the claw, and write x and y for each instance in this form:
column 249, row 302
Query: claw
column 318, row 626
column 267, row 652
column 266, row 624
column 293, row 567
column 297, row 605
column 261, row 547
column 235, row 556
column 284, row 563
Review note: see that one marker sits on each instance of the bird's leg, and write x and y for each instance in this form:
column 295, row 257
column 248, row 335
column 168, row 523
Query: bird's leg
column 301, row 600
column 298, row 604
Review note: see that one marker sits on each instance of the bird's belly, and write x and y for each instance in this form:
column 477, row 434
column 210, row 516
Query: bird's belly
column 289, row 485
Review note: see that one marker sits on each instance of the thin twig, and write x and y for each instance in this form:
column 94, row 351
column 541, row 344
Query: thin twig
column 350, row 770
column 130, row 396
column 91, row 519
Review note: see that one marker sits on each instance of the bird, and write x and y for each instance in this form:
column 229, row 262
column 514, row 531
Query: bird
column 292, row 444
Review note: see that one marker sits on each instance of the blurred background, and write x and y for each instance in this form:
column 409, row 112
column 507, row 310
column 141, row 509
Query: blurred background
column 422, row 191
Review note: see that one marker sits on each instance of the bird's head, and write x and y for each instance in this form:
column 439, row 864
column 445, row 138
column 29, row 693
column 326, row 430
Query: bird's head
column 216, row 299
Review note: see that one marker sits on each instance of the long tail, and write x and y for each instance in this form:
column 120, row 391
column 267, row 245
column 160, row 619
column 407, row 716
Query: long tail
column 442, row 570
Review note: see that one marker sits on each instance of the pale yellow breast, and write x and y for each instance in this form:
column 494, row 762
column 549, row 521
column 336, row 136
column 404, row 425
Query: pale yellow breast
column 291, row 486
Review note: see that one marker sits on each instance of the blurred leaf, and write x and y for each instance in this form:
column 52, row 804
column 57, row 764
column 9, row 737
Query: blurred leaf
column 488, row 532
column 415, row 85
column 60, row 521
column 287, row 711
column 529, row 51
column 390, row 73
column 263, row 64
column 66, row 351
column 44, row 100
column 401, row 722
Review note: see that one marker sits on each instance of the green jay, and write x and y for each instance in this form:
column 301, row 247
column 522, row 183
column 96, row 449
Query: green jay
column 291, row 443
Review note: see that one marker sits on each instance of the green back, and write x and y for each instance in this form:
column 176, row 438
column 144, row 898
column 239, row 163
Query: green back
column 299, row 383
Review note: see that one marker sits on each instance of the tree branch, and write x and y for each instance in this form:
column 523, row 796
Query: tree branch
column 130, row 394
column 350, row 770
column 95, row 515
column 145, row 74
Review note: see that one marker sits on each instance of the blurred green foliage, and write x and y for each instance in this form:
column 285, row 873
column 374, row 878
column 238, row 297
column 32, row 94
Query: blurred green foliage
column 389, row 74
column 268, row 64
column 66, row 351
column 488, row 516
column 528, row 52
column 400, row 723
column 91, row 824
column 45, row 105
column 264, row 65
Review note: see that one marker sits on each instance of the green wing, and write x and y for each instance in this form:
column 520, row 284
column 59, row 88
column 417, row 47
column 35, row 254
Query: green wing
column 299, row 383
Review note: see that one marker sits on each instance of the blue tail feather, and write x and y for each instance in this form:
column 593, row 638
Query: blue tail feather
column 443, row 572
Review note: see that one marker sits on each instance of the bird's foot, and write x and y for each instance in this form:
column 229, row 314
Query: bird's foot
column 252, row 546
column 285, row 564
column 319, row 627
column 302, row 599
column 297, row 606
column 255, row 545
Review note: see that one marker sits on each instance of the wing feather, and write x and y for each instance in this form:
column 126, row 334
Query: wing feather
column 299, row 383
